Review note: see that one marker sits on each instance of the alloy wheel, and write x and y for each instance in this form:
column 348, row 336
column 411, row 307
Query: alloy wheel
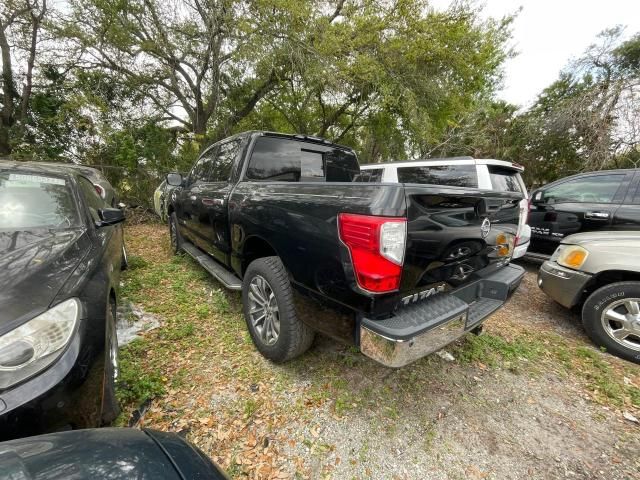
column 621, row 321
column 263, row 310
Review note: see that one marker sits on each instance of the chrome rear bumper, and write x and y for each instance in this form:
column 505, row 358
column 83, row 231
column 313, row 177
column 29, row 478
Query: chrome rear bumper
column 426, row 327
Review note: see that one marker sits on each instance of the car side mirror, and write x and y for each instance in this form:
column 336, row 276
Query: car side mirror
column 110, row 216
column 538, row 197
column 174, row 179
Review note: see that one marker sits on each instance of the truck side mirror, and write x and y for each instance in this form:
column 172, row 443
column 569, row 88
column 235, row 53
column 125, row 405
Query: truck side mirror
column 174, row 179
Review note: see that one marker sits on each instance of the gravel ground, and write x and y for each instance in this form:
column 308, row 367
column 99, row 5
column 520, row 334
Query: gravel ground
column 335, row 414
column 471, row 422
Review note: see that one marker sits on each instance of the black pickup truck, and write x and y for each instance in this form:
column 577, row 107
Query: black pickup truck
column 400, row 270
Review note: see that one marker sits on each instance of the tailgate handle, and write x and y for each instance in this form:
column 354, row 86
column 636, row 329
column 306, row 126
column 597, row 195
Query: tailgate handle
column 597, row 215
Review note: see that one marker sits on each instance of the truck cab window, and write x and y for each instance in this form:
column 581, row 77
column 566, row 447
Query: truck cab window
column 200, row 171
column 284, row 160
column 221, row 168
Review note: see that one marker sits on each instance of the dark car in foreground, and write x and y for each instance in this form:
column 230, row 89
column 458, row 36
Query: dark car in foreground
column 599, row 273
column 398, row 269
column 607, row 200
column 105, row 454
column 61, row 251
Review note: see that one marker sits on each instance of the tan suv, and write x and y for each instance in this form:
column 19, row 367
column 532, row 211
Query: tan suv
column 600, row 272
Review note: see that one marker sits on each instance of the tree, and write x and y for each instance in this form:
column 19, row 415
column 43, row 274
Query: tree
column 198, row 64
column 390, row 77
column 20, row 26
column 589, row 118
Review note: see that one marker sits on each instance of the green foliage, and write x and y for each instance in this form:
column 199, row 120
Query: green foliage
column 135, row 385
column 140, row 87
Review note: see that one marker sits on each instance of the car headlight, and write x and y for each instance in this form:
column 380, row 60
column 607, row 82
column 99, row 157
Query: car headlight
column 572, row 256
column 36, row 344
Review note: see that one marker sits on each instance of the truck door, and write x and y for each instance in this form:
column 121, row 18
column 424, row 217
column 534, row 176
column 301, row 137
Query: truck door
column 584, row 204
column 627, row 217
column 212, row 207
column 189, row 197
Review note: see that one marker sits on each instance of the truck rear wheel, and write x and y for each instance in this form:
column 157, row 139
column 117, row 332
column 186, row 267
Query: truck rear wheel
column 611, row 317
column 271, row 318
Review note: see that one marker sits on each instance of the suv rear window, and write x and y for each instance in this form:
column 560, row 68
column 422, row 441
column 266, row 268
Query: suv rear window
column 504, row 179
column 287, row 160
column 449, row 175
column 371, row 175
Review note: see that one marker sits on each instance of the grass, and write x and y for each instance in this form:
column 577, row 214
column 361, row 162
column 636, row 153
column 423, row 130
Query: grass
column 135, row 383
column 202, row 363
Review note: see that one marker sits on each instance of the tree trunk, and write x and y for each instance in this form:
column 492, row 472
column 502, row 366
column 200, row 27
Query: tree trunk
column 8, row 93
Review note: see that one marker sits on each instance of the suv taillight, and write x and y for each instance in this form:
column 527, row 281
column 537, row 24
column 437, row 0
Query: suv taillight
column 377, row 246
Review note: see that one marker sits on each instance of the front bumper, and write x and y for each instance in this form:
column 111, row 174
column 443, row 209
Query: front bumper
column 425, row 327
column 44, row 401
column 562, row 284
column 520, row 250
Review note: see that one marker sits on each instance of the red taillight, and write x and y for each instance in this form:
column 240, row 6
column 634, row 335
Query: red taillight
column 377, row 246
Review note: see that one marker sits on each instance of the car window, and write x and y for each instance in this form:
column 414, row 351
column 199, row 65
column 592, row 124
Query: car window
column 591, row 189
column 636, row 196
column 278, row 159
column 221, row 168
column 449, row 175
column 91, row 197
column 36, row 200
column 371, row 175
column 504, row 179
column 200, row 171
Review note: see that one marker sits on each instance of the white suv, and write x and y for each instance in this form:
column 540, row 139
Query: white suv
column 485, row 174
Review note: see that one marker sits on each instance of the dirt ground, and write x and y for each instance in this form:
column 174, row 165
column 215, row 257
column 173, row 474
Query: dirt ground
column 531, row 398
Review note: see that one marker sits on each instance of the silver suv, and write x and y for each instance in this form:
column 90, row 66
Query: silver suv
column 468, row 172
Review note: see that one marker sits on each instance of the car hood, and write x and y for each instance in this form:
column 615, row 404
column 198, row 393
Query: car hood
column 35, row 264
column 106, row 453
column 611, row 238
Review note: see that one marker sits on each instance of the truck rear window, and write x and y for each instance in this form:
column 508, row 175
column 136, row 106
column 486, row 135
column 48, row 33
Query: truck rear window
column 287, row 160
column 449, row 175
column 504, row 179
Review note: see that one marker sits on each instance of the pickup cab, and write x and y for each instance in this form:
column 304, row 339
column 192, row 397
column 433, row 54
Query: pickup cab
column 398, row 269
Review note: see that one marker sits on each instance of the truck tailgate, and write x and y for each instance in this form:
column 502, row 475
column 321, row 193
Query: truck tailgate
column 456, row 234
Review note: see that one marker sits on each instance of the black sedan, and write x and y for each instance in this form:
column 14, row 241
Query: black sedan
column 61, row 252
column 108, row 453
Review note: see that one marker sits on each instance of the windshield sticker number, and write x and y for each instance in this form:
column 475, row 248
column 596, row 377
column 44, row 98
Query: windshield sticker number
column 18, row 177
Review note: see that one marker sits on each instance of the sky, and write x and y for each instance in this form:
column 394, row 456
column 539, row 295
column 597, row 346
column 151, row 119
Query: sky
column 548, row 34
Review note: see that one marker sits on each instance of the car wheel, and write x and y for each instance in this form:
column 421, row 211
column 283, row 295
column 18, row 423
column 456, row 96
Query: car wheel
column 611, row 317
column 174, row 234
column 124, row 263
column 110, row 407
column 271, row 318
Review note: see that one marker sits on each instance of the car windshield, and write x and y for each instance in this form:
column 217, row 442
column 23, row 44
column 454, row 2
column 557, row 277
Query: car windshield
column 35, row 200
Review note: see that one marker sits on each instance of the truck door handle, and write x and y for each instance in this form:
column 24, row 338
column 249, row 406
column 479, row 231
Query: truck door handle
column 598, row 215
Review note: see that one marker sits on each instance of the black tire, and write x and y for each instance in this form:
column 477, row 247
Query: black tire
column 174, row 234
column 601, row 328
column 294, row 337
column 110, row 406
